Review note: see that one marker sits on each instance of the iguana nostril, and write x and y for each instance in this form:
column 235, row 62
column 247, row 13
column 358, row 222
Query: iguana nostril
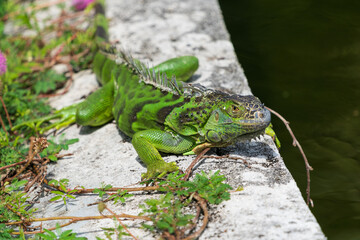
column 259, row 114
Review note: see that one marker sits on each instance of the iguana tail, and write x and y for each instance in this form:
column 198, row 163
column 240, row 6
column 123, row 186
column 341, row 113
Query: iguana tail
column 108, row 57
column 101, row 23
column 102, row 64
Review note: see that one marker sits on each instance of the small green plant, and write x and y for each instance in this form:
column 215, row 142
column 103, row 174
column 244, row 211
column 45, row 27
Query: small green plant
column 58, row 235
column 14, row 202
column 102, row 190
column 118, row 232
column 167, row 213
column 209, row 186
column 65, row 194
column 119, row 196
column 5, row 232
column 54, row 148
column 48, row 81
column 9, row 155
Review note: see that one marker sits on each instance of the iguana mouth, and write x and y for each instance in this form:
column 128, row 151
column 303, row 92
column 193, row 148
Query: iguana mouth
column 250, row 136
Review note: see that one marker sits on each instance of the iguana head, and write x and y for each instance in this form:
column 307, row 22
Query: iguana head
column 236, row 117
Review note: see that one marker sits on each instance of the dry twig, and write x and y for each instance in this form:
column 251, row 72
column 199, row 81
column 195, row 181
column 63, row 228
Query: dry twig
column 72, row 220
column 6, row 112
column 3, row 125
column 123, row 225
column 13, row 165
column 297, row 144
column 205, row 220
column 196, row 160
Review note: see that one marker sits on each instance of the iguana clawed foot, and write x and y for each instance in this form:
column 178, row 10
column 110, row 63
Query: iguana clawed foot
column 65, row 116
column 159, row 171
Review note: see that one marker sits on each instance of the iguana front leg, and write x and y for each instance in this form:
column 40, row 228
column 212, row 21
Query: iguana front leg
column 269, row 131
column 201, row 147
column 148, row 143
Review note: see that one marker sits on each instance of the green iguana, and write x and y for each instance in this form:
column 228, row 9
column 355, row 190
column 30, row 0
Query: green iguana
column 161, row 114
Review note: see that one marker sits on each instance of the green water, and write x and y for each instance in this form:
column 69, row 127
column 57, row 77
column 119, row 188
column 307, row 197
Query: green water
column 302, row 58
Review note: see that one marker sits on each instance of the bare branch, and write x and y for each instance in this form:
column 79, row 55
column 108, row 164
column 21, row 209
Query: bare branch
column 297, row 144
column 123, row 225
column 6, row 112
column 205, row 220
column 72, row 220
column 196, row 160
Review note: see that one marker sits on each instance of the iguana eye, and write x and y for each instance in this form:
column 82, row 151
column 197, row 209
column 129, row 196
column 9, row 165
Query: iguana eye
column 235, row 108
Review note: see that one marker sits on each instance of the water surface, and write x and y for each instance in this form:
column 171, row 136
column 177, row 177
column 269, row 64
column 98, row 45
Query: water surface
column 302, row 58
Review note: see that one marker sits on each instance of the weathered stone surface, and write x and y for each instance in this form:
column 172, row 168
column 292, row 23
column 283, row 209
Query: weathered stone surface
column 269, row 207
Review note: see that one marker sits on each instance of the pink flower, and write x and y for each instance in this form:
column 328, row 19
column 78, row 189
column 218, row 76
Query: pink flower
column 2, row 63
column 81, row 4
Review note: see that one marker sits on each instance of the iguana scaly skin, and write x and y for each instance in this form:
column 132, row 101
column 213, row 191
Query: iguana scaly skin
column 161, row 114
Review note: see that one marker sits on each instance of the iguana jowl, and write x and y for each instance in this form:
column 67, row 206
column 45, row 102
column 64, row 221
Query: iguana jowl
column 161, row 114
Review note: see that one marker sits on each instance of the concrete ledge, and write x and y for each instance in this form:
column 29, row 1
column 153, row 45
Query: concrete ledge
column 269, row 207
